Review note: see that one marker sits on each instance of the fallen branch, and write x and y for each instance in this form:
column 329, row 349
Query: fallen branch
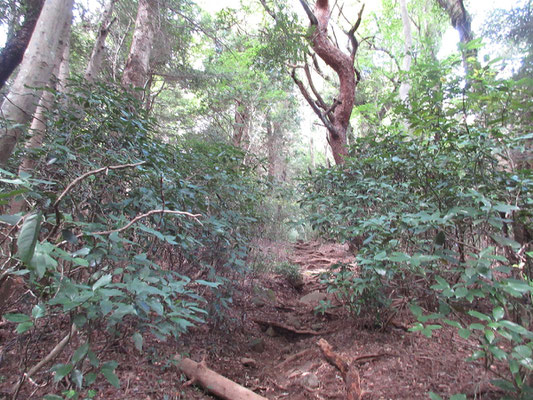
column 348, row 372
column 292, row 358
column 215, row 383
column 53, row 354
column 283, row 327
column 139, row 217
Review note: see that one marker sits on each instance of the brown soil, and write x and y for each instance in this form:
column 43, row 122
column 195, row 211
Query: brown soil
column 268, row 343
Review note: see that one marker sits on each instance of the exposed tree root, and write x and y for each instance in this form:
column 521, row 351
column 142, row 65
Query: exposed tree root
column 349, row 373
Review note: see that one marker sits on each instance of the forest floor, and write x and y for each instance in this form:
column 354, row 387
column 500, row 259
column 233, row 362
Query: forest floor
column 268, row 343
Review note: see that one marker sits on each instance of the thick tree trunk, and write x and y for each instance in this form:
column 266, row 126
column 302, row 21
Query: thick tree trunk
column 461, row 21
column 95, row 62
column 13, row 52
column 61, row 69
column 138, row 64
column 35, row 71
column 408, row 44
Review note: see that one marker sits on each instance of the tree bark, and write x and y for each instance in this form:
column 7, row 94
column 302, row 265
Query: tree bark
column 95, row 62
column 408, row 44
column 13, row 52
column 241, row 125
column 461, row 21
column 35, row 71
column 215, row 383
column 338, row 115
column 61, row 69
column 138, row 64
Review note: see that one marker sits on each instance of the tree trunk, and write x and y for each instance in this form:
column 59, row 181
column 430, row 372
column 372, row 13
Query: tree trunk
column 461, row 21
column 240, row 128
column 95, row 62
column 138, row 64
column 338, row 115
column 13, row 52
column 408, row 43
column 35, row 71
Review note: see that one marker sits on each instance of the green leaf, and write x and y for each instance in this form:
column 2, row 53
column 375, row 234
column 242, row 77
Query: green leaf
column 77, row 378
column 504, row 241
column 80, row 353
column 61, row 370
column 138, row 341
column 104, row 280
column 523, row 351
column 38, row 311
column 52, row 397
column 479, row 315
column 27, row 239
column 111, row 377
column 434, row 396
column 206, row 283
column 464, row 333
column 505, row 385
column 498, row 353
column 23, row 327
column 17, row 317
column 458, row 397
column 498, row 313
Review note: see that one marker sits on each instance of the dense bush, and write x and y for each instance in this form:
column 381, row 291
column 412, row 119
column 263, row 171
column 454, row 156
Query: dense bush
column 441, row 214
column 193, row 205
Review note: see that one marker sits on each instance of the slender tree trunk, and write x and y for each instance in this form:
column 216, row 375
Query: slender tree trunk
column 95, row 62
column 13, row 52
column 241, row 125
column 35, row 71
column 408, row 44
column 336, row 117
column 138, row 64
column 461, row 21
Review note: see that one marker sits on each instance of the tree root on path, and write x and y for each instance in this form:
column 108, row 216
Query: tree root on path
column 349, row 373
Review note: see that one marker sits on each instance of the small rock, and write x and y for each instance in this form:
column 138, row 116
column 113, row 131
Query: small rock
column 270, row 332
column 313, row 299
column 310, row 380
column 248, row 362
column 257, row 345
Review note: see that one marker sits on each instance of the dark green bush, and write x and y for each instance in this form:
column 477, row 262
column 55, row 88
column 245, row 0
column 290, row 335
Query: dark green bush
column 440, row 214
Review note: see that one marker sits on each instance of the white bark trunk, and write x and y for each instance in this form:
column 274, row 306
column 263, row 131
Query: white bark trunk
column 138, row 64
column 35, row 71
column 61, row 69
column 408, row 44
column 95, row 63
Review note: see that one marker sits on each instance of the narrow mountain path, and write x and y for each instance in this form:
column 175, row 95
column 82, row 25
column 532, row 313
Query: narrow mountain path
column 272, row 346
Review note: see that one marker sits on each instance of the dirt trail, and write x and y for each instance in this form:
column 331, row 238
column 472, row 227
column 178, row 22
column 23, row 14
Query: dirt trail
column 273, row 350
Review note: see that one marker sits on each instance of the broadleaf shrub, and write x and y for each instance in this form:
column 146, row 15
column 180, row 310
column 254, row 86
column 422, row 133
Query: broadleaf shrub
column 437, row 206
column 103, row 165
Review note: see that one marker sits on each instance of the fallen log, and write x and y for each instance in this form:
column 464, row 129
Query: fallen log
column 348, row 372
column 215, row 383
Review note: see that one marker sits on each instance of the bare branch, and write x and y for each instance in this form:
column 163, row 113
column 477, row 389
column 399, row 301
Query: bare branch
column 351, row 33
column 312, row 18
column 93, row 172
column 319, row 99
column 139, row 217
column 327, row 123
